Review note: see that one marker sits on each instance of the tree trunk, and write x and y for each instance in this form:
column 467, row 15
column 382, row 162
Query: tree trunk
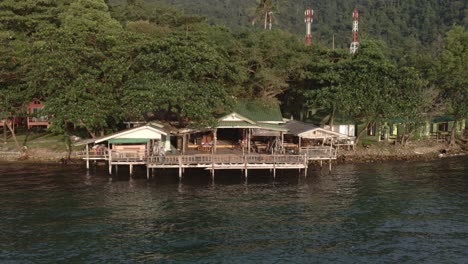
column 332, row 118
column 68, row 142
column 4, row 134
column 13, row 135
column 453, row 133
column 360, row 133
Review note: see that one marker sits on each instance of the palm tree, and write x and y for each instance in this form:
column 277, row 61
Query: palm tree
column 264, row 10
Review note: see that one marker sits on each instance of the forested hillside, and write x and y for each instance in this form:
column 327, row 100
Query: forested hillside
column 404, row 23
column 97, row 63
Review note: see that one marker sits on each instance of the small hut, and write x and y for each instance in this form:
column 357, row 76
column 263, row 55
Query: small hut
column 35, row 119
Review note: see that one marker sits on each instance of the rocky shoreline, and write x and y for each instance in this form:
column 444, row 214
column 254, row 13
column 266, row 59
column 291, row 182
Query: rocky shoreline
column 363, row 154
column 414, row 151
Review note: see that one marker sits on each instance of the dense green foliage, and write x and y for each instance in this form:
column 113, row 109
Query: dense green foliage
column 399, row 22
column 96, row 65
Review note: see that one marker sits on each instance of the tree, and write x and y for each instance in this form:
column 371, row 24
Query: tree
column 185, row 76
column 79, row 67
column 451, row 71
column 366, row 87
column 271, row 60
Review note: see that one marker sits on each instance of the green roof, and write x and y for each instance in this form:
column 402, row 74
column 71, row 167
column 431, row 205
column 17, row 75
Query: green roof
column 235, row 124
column 258, row 112
column 442, row 119
column 273, row 127
column 128, row 140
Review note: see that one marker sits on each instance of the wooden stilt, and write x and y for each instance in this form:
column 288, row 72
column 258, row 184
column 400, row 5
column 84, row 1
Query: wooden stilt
column 180, row 167
column 110, row 159
column 212, row 168
column 330, row 166
column 274, row 168
column 245, row 167
column 215, row 139
column 248, row 141
column 147, row 173
column 131, row 169
column 87, row 156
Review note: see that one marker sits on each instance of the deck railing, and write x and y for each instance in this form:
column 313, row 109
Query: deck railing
column 92, row 155
column 227, row 159
column 319, row 152
column 141, row 156
column 128, row 156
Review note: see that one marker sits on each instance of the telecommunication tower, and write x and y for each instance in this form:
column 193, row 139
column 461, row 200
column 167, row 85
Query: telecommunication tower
column 355, row 43
column 308, row 20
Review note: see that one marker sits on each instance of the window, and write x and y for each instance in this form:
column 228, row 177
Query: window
column 443, row 127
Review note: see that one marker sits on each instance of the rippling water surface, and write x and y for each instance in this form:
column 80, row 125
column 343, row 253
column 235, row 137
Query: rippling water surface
column 415, row 212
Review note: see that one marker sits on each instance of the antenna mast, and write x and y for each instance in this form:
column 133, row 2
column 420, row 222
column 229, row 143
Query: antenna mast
column 308, row 20
column 355, row 43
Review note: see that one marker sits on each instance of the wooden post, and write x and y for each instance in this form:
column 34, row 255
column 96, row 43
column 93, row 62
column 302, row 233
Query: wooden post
column 212, row 168
column 184, row 142
column 110, row 161
column 215, row 138
column 306, row 165
column 274, row 167
column 330, row 166
column 87, row 156
column 147, row 172
column 245, row 167
column 180, row 167
column 300, row 143
column 248, row 140
column 282, row 143
column 131, row 170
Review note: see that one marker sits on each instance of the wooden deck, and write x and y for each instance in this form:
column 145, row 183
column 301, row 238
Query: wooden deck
column 213, row 162
column 228, row 161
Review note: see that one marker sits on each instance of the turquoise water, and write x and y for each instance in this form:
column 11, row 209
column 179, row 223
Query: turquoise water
column 413, row 212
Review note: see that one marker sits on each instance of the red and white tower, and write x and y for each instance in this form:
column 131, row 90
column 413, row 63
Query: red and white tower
column 308, row 20
column 355, row 43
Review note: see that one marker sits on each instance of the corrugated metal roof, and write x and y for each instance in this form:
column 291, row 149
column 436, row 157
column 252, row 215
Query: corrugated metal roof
column 296, row 127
